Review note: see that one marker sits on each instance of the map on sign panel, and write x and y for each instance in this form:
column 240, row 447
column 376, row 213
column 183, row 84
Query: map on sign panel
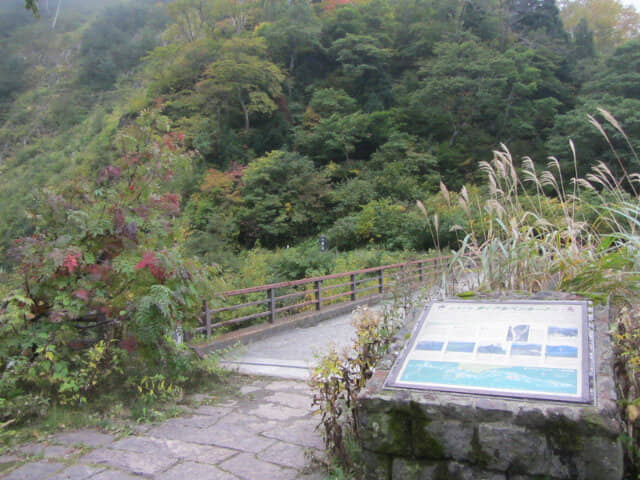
column 516, row 349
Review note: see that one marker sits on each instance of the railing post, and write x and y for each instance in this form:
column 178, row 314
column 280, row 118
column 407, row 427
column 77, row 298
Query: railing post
column 207, row 318
column 318, row 285
column 381, row 281
column 421, row 271
column 354, row 287
column 272, row 304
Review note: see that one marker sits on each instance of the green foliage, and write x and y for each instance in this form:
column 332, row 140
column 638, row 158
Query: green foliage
column 391, row 96
column 156, row 388
column 613, row 88
column 472, row 96
column 240, row 75
column 115, row 43
column 292, row 36
column 101, row 284
column 610, row 22
column 12, row 71
column 284, row 196
column 31, row 5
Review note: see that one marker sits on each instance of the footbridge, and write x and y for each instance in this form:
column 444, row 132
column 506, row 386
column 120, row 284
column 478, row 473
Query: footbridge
column 280, row 329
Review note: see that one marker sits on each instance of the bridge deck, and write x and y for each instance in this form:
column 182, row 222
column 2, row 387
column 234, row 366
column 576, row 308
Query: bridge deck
column 291, row 354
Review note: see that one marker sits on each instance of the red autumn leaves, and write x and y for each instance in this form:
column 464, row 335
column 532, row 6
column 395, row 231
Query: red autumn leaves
column 152, row 264
column 71, row 261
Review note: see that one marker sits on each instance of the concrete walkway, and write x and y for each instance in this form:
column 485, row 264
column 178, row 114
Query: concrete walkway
column 291, row 354
column 269, row 433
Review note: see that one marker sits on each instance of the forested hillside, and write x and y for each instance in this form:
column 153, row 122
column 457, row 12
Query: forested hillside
column 309, row 117
column 154, row 154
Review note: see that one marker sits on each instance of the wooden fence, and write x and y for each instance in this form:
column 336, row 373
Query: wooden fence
column 275, row 300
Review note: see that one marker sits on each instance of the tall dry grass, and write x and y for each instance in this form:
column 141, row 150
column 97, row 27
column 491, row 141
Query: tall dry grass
column 542, row 231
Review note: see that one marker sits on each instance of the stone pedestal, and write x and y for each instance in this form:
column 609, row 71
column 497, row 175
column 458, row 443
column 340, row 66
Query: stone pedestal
column 419, row 435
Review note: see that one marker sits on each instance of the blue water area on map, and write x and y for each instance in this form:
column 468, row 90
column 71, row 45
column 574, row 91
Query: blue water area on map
column 562, row 332
column 464, row 347
column 531, row 349
column 430, row 346
column 494, row 348
column 562, row 351
column 510, row 379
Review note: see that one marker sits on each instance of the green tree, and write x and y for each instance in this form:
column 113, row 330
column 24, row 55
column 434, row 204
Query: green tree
column 241, row 76
column 284, row 199
column 472, row 97
column 31, row 5
column 12, row 70
column 364, row 66
column 115, row 42
column 621, row 75
column 528, row 16
column 611, row 22
column 403, row 169
column 615, row 88
column 292, row 37
column 212, row 214
column 583, row 40
column 418, row 26
column 333, row 129
column 192, row 19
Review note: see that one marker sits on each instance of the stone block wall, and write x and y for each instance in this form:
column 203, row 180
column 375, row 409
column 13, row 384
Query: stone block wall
column 423, row 435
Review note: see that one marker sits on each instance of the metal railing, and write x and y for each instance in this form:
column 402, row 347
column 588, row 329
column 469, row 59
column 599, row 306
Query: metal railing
column 308, row 294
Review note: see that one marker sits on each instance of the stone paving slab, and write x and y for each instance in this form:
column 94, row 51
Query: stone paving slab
column 47, row 451
column 301, row 432
column 236, row 439
column 272, row 411
column 248, row 467
column 285, row 454
column 287, row 386
column 299, row 401
column 195, row 471
column 89, row 438
column 267, row 433
column 134, row 462
column 195, row 421
column 246, row 421
column 249, row 389
column 212, row 411
column 77, row 472
column 33, row 470
column 114, row 475
column 173, row 429
column 267, row 368
column 174, row 448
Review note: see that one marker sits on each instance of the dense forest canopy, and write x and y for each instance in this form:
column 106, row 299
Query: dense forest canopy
column 306, row 117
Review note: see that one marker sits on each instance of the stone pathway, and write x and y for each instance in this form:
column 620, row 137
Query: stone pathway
column 268, row 433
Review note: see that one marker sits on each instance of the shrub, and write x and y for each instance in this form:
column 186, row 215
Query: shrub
column 101, row 285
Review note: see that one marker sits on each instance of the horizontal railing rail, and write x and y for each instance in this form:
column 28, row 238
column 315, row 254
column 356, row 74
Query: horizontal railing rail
column 237, row 307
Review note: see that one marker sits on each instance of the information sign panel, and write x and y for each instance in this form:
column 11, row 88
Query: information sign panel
column 528, row 349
